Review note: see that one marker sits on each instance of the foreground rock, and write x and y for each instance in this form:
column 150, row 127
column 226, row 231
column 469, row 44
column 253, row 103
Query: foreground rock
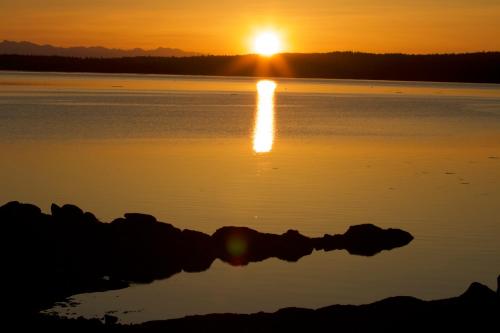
column 476, row 310
column 49, row 257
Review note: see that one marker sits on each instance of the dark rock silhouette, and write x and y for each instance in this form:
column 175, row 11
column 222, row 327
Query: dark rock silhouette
column 46, row 258
column 110, row 319
column 476, row 310
column 366, row 239
column 498, row 286
column 51, row 257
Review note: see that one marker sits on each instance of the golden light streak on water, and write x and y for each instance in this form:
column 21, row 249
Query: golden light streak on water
column 264, row 121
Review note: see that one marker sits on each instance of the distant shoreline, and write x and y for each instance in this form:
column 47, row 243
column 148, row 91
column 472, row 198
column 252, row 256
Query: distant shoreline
column 153, row 75
column 453, row 68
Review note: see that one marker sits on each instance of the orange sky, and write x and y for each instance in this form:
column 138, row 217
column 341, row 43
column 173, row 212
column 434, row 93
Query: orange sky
column 226, row 27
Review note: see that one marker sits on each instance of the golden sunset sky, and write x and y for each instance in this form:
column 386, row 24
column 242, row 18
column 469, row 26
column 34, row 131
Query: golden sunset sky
column 227, row 27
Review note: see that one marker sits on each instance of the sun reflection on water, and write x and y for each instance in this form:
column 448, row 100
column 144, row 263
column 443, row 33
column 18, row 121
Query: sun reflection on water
column 264, row 121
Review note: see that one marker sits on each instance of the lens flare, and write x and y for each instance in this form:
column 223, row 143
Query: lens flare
column 236, row 247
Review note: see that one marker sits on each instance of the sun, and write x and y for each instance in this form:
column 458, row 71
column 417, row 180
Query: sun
column 267, row 43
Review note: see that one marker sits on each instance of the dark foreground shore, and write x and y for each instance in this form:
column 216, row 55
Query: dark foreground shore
column 476, row 310
column 49, row 257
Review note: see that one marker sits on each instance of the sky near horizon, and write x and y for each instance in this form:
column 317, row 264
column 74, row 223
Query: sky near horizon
column 227, row 27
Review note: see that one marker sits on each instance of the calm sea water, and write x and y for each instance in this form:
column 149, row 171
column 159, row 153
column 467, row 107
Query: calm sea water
column 312, row 155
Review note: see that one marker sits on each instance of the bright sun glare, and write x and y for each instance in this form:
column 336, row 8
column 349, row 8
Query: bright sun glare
column 267, row 43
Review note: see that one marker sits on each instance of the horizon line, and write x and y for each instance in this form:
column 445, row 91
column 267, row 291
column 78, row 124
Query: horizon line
column 198, row 54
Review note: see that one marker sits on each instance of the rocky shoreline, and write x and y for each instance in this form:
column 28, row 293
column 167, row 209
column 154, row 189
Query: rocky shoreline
column 53, row 256
column 49, row 257
column 476, row 310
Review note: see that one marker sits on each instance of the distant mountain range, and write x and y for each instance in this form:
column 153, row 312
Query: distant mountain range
column 28, row 48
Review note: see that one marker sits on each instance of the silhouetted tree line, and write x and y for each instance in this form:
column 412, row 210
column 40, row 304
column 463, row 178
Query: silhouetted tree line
column 468, row 67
